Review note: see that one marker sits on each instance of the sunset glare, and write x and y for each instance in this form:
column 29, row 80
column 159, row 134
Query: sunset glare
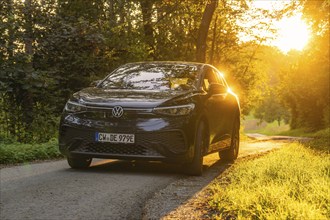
column 293, row 33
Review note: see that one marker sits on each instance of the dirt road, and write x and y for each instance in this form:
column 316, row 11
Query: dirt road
column 108, row 190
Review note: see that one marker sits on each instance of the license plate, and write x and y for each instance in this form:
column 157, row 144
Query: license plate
column 115, row 138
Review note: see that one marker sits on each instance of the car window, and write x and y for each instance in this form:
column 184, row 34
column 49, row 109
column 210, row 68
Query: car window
column 209, row 77
column 153, row 77
column 221, row 78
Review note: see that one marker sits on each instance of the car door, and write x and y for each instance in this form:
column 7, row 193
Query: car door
column 217, row 110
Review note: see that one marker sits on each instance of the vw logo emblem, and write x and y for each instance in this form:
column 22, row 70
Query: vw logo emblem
column 117, row 111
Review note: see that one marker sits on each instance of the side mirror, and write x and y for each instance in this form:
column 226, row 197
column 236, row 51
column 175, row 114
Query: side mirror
column 95, row 83
column 217, row 89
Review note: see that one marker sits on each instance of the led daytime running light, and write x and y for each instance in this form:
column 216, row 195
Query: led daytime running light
column 74, row 107
column 175, row 110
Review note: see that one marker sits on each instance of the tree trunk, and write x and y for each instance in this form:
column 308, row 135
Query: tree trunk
column 8, row 97
column 203, row 30
column 112, row 14
column 27, row 96
column 28, row 29
column 146, row 8
column 214, row 39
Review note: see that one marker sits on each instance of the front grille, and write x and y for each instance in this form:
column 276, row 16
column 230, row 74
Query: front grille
column 106, row 114
column 153, row 144
column 117, row 149
column 96, row 115
column 172, row 141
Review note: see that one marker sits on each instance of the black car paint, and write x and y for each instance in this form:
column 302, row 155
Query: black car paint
column 218, row 111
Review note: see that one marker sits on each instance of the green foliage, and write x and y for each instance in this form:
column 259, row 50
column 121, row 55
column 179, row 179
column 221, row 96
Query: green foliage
column 13, row 152
column 266, row 102
column 27, row 89
column 271, row 109
column 305, row 87
column 291, row 183
column 273, row 128
column 50, row 49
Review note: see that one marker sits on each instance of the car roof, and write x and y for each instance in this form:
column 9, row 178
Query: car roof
column 169, row 62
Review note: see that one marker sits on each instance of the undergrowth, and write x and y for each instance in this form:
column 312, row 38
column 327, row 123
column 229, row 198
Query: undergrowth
column 14, row 152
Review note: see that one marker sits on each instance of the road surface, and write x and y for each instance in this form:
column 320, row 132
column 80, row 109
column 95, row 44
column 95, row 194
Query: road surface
column 109, row 189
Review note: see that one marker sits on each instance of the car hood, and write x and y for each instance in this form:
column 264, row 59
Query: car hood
column 127, row 98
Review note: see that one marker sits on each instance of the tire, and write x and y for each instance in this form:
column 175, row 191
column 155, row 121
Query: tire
column 231, row 154
column 79, row 163
column 195, row 167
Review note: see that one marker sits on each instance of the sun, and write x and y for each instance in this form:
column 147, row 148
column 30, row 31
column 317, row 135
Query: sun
column 293, row 34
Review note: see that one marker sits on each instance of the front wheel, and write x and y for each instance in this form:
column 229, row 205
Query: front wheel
column 231, row 154
column 195, row 167
column 79, row 163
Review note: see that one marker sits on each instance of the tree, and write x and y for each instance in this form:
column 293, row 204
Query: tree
column 147, row 11
column 305, row 83
column 271, row 109
column 203, row 30
column 24, row 85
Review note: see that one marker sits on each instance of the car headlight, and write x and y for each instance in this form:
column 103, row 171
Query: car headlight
column 175, row 110
column 74, row 107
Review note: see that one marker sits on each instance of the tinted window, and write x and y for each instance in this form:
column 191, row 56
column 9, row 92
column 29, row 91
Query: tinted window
column 209, row 77
column 153, row 77
column 220, row 77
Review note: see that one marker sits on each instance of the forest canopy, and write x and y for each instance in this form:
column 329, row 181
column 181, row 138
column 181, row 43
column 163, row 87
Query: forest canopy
column 52, row 48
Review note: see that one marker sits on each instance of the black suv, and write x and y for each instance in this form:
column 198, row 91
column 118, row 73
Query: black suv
column 163, row 111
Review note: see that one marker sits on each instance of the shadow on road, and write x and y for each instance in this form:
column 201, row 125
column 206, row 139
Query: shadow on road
column 179, row 192
column 133, row 167
column 172, row 196
column 143, row 167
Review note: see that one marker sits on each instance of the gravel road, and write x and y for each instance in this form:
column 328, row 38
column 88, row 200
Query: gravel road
column 109, row 189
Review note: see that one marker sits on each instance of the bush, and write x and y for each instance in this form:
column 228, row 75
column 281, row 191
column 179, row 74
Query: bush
column 14, row 152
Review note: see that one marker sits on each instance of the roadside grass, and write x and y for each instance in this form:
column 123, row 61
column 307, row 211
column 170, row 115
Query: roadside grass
column 13, row 152
column 289, row 183
column 296, row 133
column 252, row 125
column 321, row 139
column 306, row 133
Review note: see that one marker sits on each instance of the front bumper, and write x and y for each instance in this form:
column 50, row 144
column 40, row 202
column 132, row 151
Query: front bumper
column 164, row 139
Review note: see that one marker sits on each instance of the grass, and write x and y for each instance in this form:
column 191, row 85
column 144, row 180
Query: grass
column 13, row 152
column 252, row 125
column 290, row 183
column 297, row 133
column 321, row 139
column 306, row 133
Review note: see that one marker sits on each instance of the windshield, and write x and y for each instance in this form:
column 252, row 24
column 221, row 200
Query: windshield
column 153, row 76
